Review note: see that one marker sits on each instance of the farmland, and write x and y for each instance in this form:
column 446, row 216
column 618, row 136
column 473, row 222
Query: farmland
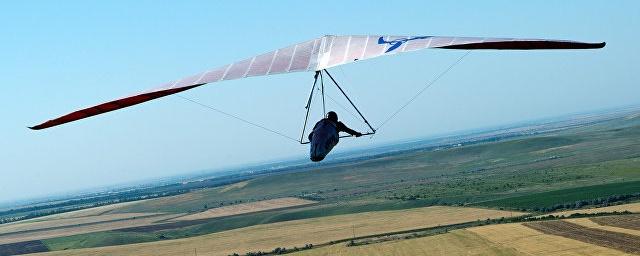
column 597, row 223
column 532, row 242
column 82, row 226
column 557, row 197
column 247, row 208
column 631, row 207
column 627, row 222
column 296, row 233
column 459, row 242
column 578, row 168
column 615, row 240
column 501, row 239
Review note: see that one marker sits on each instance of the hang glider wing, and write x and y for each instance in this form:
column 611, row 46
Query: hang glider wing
column 318, row 54
column 339, row 50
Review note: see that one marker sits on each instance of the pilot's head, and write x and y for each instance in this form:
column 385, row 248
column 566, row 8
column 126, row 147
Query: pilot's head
column 332, row 116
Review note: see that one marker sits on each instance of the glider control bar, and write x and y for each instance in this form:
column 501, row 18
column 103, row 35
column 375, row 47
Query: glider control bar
column 308, row 106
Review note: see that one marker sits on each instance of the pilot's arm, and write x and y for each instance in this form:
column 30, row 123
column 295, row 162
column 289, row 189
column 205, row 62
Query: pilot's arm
column 343, row 128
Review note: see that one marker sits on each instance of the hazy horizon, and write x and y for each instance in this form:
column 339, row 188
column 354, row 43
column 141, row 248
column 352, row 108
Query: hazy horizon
column 210, row 171
column 61, row 57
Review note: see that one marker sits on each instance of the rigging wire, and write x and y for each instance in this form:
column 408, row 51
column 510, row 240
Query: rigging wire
column 343, row 107
column 320, row 90
column 373, row 130
column 339, row 105
column 427, row 86
column 237, row 118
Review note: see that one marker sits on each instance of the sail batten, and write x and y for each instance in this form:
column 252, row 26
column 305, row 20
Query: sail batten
column 315, row 55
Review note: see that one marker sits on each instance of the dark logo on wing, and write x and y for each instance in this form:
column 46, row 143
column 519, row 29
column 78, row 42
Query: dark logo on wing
column 398, row 42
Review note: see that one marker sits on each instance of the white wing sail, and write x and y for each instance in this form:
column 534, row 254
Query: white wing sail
column 339, row 50
column 318, row 54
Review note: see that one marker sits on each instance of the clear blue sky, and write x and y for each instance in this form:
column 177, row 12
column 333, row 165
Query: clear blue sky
column 58, row 56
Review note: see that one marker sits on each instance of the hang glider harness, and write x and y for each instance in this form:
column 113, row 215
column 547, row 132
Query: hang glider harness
column 318, row 55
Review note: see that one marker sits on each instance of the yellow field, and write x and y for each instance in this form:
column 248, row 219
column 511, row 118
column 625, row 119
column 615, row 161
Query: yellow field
column 459, row 242
column 502, row 239
column 77, row 222
column 82, row 229
column 80, row 213
column 300, row 232
column 158, row 203
column 100, row 219
column 248, row 208
column 532, row 242
column 60, row 222
column 633, row 207
column 234, row 186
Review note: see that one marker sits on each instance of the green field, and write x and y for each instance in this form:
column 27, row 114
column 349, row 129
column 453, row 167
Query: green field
column 456, row 176
column 551, row 198
column 98, row 239
column 527, row 173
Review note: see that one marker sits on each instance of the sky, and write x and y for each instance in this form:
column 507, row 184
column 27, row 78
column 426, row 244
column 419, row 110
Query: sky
column 59, row 56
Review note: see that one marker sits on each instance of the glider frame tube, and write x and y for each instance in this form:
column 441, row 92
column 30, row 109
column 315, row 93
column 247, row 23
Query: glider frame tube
column 308, row 106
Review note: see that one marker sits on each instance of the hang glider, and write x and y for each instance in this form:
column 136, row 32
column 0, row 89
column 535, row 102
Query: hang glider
column 316, row 55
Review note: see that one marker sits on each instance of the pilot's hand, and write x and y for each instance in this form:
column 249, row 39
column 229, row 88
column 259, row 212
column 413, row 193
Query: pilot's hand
column 358, row 134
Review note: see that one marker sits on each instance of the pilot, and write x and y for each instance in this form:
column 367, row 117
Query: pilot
column 325, row 136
